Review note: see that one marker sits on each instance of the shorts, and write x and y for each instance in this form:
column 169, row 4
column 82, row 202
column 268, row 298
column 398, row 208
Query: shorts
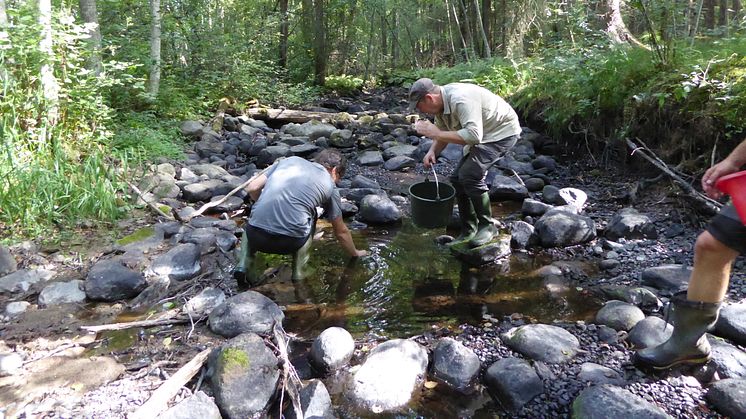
column 728, row 228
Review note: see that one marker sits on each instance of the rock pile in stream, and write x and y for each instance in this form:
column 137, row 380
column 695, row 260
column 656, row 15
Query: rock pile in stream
column 579, row 369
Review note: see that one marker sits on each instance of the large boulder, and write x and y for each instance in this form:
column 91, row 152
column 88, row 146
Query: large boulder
column 559, row 228
column 248, row 311
column 111, row 281
column 542, row 342
column 609, row 402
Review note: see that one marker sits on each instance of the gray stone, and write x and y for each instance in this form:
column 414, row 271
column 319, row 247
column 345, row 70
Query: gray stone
column 378, row 209
column 271, row 153
column 550, row 195
column 630, row 224
column 10, row 363
column 732, row 323
column 496, row 249
column 370, row 158
column 180, row 263
column 204, row 302
column 558, row 228
column 202, row 191
column 667, row 277
column 650, row 332
column 332, row 349
column 522, row 235
column 304, row 150
column 511, row 164
column 455, row 365
column 729, row 397
column 191, row 128
column 197, row 406
column 245, row 376
column 399, row 163
column 534, row 207
column 534, row 184
column 108, row 280
column 14, row 308
column 389, row 376
column 504, row 188
column 514, row 382
column 62, row 293
column 598, row 374
column 542, row 342
column 544, row 161
column 248, row 311
column 609, row 402
column 315, row 402
column 361, row 181
column 22, row 280
column 342, row 138
column 356, row 195
column 210, row 170
column 619, row 315
column 729, row 361
column 208, row 146
column 7, row 261
column 403, row 150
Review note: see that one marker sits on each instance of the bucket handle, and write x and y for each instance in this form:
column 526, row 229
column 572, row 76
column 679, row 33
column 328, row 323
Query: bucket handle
column 437, row 187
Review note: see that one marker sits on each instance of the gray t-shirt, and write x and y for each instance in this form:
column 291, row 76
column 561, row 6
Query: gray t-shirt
column 294, row 188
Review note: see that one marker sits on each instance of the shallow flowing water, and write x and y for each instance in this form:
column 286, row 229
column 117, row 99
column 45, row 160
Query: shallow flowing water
column 409, row 283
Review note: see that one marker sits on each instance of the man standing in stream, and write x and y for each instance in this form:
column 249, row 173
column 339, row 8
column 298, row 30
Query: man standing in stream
column 696, row 310
column 283, row 217
column 486, row 125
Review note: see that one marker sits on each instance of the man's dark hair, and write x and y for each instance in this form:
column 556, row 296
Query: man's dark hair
column 332, row 159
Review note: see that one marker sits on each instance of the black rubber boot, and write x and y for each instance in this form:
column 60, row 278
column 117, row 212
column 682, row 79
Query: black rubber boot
column 487, row 229
column 242, row 273
column 300, row 258
column 688, row 343
column 468, row 220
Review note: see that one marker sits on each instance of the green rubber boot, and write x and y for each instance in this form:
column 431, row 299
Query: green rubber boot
column 487, row 229
column 688, row 343
column 300, row 258
column 242, row 273
column 468, row 220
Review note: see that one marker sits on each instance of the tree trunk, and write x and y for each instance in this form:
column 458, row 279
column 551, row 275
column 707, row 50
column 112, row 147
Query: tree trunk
column 467, row 27
column 50, row 86
column 319, row 53
column 450, row 30
column 709, row 7
column 615, row 28
column 155, row 48
column 90, row 17
column 487, row 20
column 480, row 23
column 460, row 32
column 284, row 31
column 520, row 18
column 723, row 18
column 3, row 15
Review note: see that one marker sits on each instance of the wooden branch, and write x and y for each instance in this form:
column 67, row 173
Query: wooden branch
column 209, row 205
column 173, row 316
column 289, row 115
column 158, row 401
column 703, row 202
column 150, row 204
column 290, row 380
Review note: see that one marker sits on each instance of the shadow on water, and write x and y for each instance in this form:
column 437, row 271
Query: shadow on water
column 409, row 283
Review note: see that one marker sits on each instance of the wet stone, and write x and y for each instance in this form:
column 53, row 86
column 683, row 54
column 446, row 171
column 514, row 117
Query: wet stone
column 729, row 397
column 513, row 382
column 650, row 332
column 248, row 311
column 619, row 315
column 455, row 365
column 332, row 349
column 599, row 374
column 542, row 342
column 732, row 323
column 199, row 405
column 667, row 277
column 111, row 281
column 607, row 401
column 180, row 263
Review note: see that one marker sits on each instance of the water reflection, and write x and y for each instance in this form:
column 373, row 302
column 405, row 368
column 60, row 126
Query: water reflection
column 408, row 283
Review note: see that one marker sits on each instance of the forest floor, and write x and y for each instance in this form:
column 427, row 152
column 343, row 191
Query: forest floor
column 58, row 382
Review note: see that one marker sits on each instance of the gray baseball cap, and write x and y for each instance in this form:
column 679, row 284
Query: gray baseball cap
column 418, row 90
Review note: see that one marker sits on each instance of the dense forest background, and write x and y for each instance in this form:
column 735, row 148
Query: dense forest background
column 92, row 91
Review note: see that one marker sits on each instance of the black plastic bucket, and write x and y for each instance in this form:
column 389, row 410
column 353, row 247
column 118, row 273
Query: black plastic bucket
column 427, row 210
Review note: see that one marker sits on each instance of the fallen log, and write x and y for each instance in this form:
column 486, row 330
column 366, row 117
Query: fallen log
column 702, row 202
column 289, row 115
column 158, row 401
column 173, row 316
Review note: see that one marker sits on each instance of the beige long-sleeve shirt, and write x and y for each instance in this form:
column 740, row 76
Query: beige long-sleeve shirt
column 476, row 114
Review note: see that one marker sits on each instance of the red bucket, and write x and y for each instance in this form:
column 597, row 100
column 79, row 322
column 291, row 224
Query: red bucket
column 735, row 186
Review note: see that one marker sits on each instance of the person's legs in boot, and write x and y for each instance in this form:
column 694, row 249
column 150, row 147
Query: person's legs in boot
column 300, row 258
column 486, row 227
column 696, row 312
column 470, row 175
column 243, row 272
column 466, row 215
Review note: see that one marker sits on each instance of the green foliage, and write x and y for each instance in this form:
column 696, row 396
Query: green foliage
column 498, row 75
column 344, row 84
column 144, row 137
column 54, row 165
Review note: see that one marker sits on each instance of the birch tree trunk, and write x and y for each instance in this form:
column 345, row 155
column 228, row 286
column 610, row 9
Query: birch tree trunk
column 3, row 15
column 50, row 86
column 284, row 32
column 154, row 81
column 90, row 18
column 480, row 23
column 615, row 27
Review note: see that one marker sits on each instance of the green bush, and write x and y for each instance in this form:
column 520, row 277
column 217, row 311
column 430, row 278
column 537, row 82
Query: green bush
column 343, row 84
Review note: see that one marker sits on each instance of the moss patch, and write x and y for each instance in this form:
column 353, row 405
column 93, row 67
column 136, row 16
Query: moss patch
column 139, row 235
column 233, row 359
